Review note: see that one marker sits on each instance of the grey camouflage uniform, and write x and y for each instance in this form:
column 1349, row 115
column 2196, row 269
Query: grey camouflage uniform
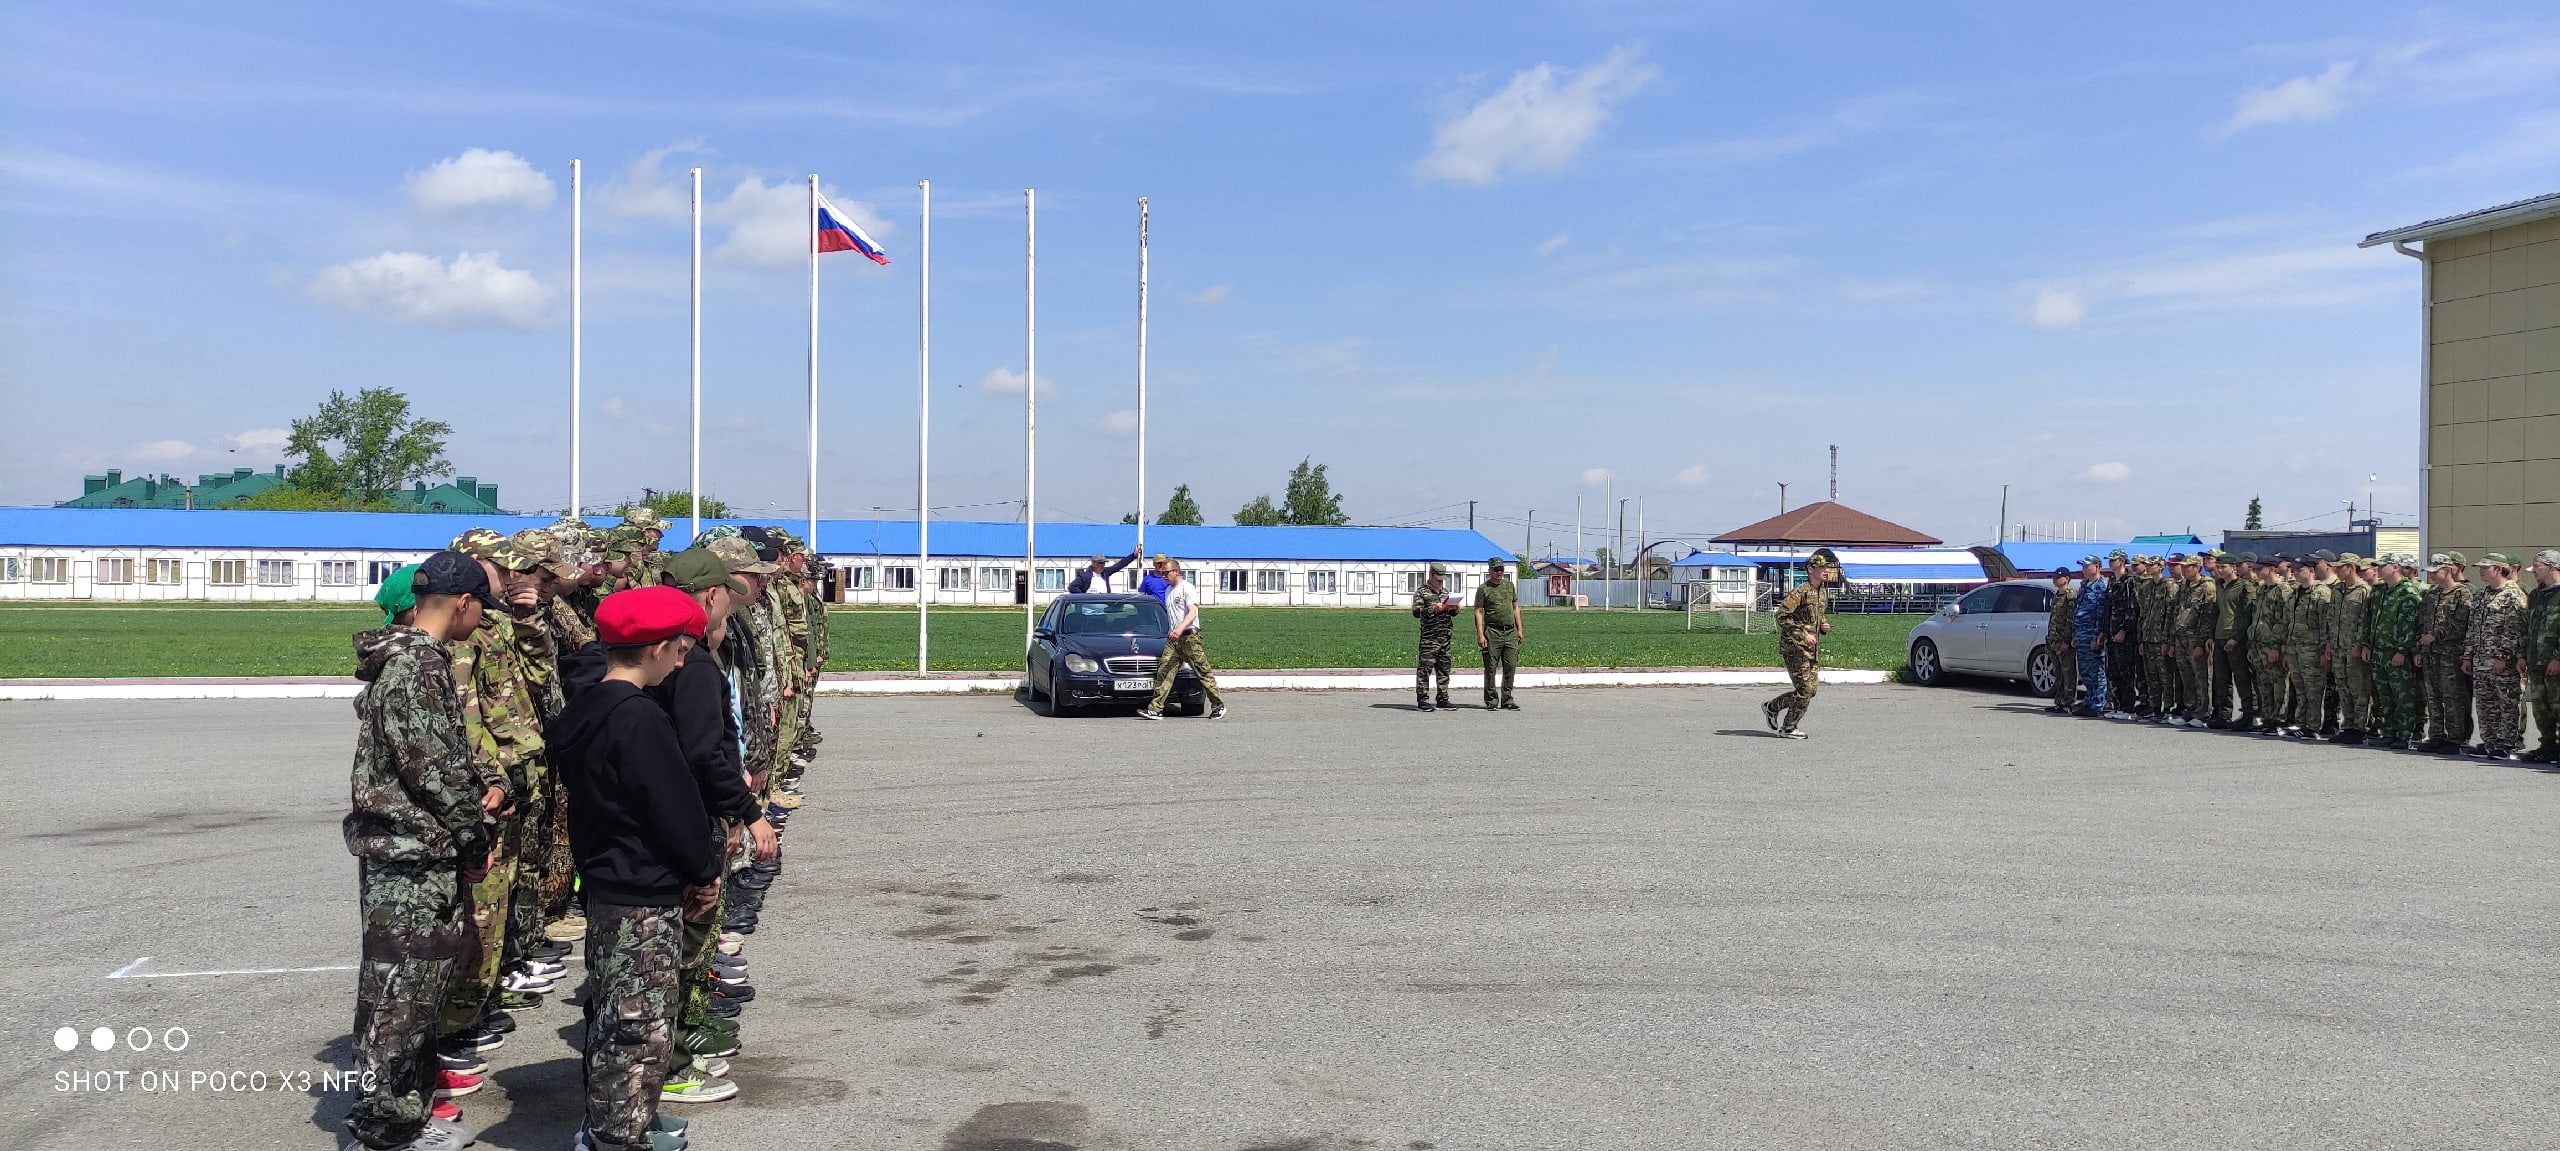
column 2497, row 636
column 634, row 963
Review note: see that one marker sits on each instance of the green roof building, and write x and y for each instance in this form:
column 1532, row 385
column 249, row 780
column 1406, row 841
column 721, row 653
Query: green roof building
column 238, row 485
column 112, row 490
column 464, row 495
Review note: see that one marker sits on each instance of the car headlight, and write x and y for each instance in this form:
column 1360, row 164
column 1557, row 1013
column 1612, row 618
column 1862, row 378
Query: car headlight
column 1080, row 665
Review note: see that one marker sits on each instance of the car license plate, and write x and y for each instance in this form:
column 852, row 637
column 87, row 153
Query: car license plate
column 1133, row 685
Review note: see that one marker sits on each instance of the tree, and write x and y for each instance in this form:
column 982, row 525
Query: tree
column 1259, row 514
column 1181, row 510
column 675, row 505
column 1310, row 500
column 365, row 447
column 288, row 498
column 2256, row 520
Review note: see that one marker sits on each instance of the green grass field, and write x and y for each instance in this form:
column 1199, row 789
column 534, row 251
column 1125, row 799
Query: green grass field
column 220, row 640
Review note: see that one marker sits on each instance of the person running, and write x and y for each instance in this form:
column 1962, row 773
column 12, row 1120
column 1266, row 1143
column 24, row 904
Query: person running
column 1800, row 631
column 1182, row 645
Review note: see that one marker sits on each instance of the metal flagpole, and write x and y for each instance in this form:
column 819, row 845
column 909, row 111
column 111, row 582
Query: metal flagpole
column 1030, row 411
column 1609, row 571
column 1142, row 373
column 813, row 365
column 1640, row 549
column 576, row 226
column 924, row 405
column 1577, row 544
column 695, row 492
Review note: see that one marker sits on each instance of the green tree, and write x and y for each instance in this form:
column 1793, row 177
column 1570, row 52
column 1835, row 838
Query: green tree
column 1181, row 510
column 288, row 498
column 1259, row 514
column 2256, row 520
column 1310, row 500
column 365, row 446
column 675, row 505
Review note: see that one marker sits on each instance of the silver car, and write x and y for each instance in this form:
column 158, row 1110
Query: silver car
column 1995, row 630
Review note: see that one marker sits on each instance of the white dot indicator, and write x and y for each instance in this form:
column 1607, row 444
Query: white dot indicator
column 104, row 1039
column 66, row 1039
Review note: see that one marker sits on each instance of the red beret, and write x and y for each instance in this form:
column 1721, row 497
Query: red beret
column 648, row 614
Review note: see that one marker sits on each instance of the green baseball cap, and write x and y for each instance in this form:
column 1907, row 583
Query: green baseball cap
column 697, row 569
column 398, row 593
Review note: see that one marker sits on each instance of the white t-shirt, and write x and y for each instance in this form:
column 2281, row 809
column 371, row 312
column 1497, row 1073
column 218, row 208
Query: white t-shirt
column 1178, row 602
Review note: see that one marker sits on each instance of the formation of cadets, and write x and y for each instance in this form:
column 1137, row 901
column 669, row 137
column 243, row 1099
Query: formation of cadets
column 2380, row 652
column 504, row 807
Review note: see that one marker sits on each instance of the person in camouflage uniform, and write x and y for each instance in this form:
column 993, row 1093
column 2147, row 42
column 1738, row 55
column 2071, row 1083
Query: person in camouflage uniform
column 1438, row 612
column 2306, row 650
column 573, row 605
column 2199, row 602
column 538, row 572
column 2350, row 646
column 2442, row 632
column 503, row 725
column 1800, row 631
column 419, row 828
column 2270, row 619
column 2058, row 648
column 2392, row 625
column 2495, row 646
column 813, row 590
column 2542, row 654
column 2124, row 636
column 2234, row 689
column 2156, row 594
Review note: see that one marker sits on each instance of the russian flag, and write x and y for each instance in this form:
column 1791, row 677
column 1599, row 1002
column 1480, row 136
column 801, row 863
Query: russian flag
column 838, row 233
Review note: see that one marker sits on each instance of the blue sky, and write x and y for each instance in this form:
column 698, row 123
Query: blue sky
column 1453, row 251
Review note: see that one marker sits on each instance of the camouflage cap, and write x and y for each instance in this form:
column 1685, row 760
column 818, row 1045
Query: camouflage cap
column 2548, row 556
column 478, row 543
column 2351, row 558
column 740, row 557
column 624, row 541
column 2188, row 561
column 645, row 519
column 509, row 556
column 2501, row 559
column 2448, row 559
column 2093, row 561
column 578, row 541
column 720, row 532
column 543, row 548
column 1436, row 569
column 1822, row 558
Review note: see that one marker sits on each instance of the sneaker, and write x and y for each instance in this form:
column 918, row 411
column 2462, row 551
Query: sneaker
column 704, row 1043
column 460, row 1057
column 1444, row 705
column 1792, row 733
column 732, row 943
column 1419, row 705
column 656, row 1140
column 527, row 981
column 783, row 799
column 518, row 1000
column 1218, row 711
column 445, row 1111
column 435, row 1136
column 711, row 1065
column 734, row 992
column 455, row 1085
column 1149, row 713
column 724, row 1008
column 726, row 978
column 2120, row 716
column 1507, row 705
column 692, row 1086
column 566, row 930
column 723, row 1031
column 543, row 968
column 485, row 1037
column 496, row 1022
column 1769, row 714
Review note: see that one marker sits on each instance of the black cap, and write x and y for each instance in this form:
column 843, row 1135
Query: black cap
column 453, row 573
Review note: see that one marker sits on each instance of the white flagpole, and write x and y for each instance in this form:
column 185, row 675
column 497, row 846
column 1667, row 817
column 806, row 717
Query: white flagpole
column 1142, row 373
column 576, row 226
column 1030, row 421
column 924, row 407
column 695, row 492
column 813, row 365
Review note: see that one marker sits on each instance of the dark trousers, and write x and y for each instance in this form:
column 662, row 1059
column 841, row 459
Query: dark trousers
column 1501, row 655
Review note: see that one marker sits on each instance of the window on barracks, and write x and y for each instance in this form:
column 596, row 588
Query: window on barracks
column 49, row 569
column 855, row 578
column 995, row 579
column 1320, row 583
column 275, row 573
column 230, row 573
column 1364, row 583
column 160, row 571
column 1235, row 580
column 955, row 579
column 900, row 579
column 338, row 573
column 1270, row 579
column 1050, row 579
column 115, row 569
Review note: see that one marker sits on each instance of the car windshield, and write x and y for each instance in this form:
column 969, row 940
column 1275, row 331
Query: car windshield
column 1112, row 619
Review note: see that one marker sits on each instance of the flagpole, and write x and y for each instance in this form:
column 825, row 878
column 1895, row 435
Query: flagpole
column 1030, row 412
column 576, row 226
column 694, row 493
column 924, row 407
column 1142, row 373
column 813, row 365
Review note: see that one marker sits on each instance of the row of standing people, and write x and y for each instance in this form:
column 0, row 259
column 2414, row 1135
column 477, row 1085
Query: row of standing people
column 487, row 652
column 2380, row 652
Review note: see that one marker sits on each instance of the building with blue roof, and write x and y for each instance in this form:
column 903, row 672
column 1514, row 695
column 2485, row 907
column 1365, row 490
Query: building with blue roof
column 139, row 554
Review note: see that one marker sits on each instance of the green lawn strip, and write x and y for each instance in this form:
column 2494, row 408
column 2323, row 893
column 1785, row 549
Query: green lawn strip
column 244, row 640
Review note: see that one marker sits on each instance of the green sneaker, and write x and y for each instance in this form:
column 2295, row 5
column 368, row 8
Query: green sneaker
column 705, row 1043
column 692, row 1086
column 518, row 1000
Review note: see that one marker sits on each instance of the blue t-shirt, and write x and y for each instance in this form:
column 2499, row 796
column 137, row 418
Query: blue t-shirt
column 1154, row 585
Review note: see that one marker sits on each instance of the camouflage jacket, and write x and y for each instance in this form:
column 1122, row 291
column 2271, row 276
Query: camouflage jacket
column 573, row 619
column 2270, row 623
column 2199, row 609
column 1800, row 619
column 2348, row 627
column 2447, row 618
column 2497, row 626
column 1436, row 624
column 538, row 655
column 2159, row 601
column 2392, row 620
column 498, row 711
column 2306, row 626
column 818, row 637
column 415, row 794
column 2541, row 627
column 2233, row 609
column 748, row 652
column 2057, row 619
column 791, row 607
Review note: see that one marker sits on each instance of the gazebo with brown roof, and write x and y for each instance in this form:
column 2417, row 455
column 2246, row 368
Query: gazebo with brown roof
column 1825, row 524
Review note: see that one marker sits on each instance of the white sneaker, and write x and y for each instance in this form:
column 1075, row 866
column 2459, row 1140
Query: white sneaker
column 533, row 984
column 543, row 968
column 1792, row 733
column 2120, row 716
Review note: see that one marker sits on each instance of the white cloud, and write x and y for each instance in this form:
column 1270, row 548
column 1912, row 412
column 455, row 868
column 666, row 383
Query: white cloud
column 2532, row 142
column 2303, row 99
column 769, row 223
column 1693, row 476
column 2055, row 308
column 1539, row 122
column 645, row 190
column 2110, row 472
column 412, row 287
column 1548, row 246
column 1006, row 381
column 477, row 179
column 1121, row 423
column 1212, row 295
column 1594, row 477
column 256, row 447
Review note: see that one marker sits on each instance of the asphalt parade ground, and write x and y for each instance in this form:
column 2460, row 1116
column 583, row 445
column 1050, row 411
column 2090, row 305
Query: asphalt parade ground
column 1624, row 918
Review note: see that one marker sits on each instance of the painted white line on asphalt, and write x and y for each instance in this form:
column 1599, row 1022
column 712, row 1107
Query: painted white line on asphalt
column 133, row 971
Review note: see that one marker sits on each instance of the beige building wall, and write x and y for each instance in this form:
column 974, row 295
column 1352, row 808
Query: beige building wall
column 2494, row 367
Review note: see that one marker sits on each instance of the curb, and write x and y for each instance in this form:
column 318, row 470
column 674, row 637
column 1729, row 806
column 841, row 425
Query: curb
column 953, row 683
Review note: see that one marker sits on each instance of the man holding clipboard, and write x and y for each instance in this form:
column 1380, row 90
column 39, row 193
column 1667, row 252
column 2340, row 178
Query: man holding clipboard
column 1438, row 611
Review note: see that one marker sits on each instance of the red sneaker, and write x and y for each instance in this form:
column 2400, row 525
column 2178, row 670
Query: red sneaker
column 446, row 1110
column 454, row 1084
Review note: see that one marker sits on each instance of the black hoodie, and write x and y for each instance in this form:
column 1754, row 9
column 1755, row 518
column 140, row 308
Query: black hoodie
column 696, row 697
column 636, row 822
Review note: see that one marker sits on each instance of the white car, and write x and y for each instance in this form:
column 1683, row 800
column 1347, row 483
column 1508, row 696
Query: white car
column 1995, row 630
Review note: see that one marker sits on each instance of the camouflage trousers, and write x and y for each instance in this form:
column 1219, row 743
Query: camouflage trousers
column 2395, row 699
column 1180, row 652
column 559, row 868
column 787, row 734
column 2066, row 670
column 2448, row 700
column 485, row 908
column 2093, row 671
column 1501, row 657
column 2305, row 686
column 533, row 862
column 2195, row 675
column 2351, row 681
column 2233, row 689
column 412, row 917
column 2542, row 690
column 2159, row 678
column 2124, row 676
column 2500, row 698
column 633, row 968
column 701, row 945
column 1803, row 680
column 2267, row 676
column 1432, row 659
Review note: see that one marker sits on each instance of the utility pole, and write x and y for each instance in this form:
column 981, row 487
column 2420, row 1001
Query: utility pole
column 1835, row 473
column 1782, row 497
column 1471, row 515
column 2002, row 527
column 1618, row 550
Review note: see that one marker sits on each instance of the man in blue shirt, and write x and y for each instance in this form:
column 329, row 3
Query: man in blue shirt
column 1155, row 584
column 2088, row 635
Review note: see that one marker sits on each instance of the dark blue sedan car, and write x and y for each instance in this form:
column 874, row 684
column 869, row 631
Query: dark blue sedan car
column 1100, row 650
